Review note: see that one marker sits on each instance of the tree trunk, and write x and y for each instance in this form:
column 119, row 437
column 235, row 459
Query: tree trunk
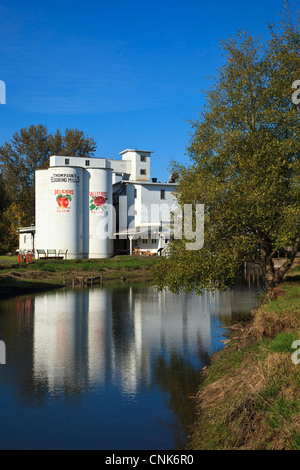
column 270, row 275
column 288, row 263
column 274, row 276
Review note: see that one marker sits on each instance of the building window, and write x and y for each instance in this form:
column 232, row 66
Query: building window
column 163, row 194
column 135, row 193
column 67, row 161
column 166, row 240
column 143, row 158
column 87, row 163
column 153, row 241
column 143, row 172
column 145, row 240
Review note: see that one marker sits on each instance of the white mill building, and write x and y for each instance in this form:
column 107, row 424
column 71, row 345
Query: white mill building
column 97, row 207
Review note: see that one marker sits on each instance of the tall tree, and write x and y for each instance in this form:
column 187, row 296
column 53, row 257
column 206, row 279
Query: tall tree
column 73, row 143
column 28, row 150
column 245, row 167
column 4, row 203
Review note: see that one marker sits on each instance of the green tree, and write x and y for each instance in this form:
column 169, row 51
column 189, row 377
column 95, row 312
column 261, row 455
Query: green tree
column 245, row 168
column 73, row 143
column 4, row 204
column 28, row 150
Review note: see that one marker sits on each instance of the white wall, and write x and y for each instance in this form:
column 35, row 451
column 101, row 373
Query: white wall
column 79, row 162
column 134, row 156
column 152, row 207
column 26, row 241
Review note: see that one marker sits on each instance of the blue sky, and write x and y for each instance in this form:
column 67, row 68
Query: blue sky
column 129, row 73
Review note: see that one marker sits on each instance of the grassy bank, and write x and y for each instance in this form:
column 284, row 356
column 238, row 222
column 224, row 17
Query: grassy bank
column 16, row 279
column 249, row 396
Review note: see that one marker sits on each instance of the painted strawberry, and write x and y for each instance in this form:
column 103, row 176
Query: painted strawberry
column 99, row 201
column 63, row 201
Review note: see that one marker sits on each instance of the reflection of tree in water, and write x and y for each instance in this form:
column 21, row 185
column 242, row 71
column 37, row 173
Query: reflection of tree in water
column 179, row 381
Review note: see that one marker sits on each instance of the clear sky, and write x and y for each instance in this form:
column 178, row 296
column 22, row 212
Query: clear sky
column 129, row 73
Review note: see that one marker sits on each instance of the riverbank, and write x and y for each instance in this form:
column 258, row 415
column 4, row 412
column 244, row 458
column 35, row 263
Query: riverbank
column 249, row 395
column 43, row 275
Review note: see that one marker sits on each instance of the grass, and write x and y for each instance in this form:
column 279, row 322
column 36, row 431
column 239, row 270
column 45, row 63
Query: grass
column 9, row 286
column 17, row 278
column 249, row 395
column 286, row 300
column 282, row 342
column 117, row 262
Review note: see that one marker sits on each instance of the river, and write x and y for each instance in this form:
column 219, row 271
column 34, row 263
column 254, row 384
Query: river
column 108, row 368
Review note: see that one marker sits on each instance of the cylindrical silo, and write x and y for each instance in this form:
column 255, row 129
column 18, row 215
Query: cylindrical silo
column 41, row 210
column 65, row 210
column 100, row 213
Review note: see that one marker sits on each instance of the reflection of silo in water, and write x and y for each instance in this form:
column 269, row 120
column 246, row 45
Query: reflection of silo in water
column 100, row 213
column 55, row 359
column 135, row 358
column 189, row 311
column 99, row 334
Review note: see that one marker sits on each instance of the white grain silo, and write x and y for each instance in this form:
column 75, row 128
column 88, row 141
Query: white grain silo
column 41, row 209
column 65, row 197
column 100, row 213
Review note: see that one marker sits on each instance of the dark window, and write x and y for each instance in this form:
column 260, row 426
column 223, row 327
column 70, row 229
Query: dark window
column 145, row 240
column 143, row 172
column 135, row 193
column 153, row 241
column 87, row 163
column 163, row 194
column 67, row 161
column 143, row 158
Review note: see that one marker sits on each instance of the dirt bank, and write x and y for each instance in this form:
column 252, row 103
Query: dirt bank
column 249, row 396
column 17, row 279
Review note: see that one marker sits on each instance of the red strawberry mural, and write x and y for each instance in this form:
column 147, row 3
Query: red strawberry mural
column 63, row 201
column 98, row 203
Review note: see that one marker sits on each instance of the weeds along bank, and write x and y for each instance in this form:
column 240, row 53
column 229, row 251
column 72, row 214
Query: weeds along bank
column 249, row 398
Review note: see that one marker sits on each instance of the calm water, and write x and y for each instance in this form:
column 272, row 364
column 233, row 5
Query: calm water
column 108, row 368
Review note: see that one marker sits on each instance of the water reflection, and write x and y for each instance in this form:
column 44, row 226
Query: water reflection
column 96, row 335
column 122, row 344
